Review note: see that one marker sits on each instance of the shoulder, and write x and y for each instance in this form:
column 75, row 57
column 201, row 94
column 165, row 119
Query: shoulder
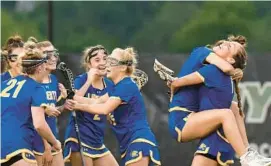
column 200, row 49
column 81, row 77
column 108, row 82
column 128, row 84
column 53, row 77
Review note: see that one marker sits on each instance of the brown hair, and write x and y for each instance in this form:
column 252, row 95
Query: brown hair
column 4, row 62
column 128, row 55
column 88, row 54
column 15, row 41
column 32, row 53
column 240, row 62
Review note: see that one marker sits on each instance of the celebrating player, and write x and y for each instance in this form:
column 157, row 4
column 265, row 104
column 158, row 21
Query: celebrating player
column 54, row 91
column 217, row 93
column 15, row 51
column 137, row 143
column 23, row 97
column 92, row 84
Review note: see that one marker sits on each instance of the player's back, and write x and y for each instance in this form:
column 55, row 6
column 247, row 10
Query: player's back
column 187, row 97
column 17, row 97
column 130, row 119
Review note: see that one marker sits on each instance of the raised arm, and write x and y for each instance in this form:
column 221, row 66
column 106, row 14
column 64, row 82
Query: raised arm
column 190, row 79
column 223, row 65
column 82, row 91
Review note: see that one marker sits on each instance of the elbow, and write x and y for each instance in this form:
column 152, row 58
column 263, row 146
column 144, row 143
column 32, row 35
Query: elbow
column 39, row 126
column 106, row 111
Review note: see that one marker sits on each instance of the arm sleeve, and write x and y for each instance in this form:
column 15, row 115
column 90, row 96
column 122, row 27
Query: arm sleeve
column 39, row 97
column 202, row 54
column 124, row 92
column 78, row 83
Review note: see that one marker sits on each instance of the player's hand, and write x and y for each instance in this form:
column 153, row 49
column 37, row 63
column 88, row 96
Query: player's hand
column 91, row 74
column 236, row 74
column 57, row 146
column 52, row 111
column 169, row 82
column 72, row 104
column 63, row 90
column 47, row 157
column 68, row 105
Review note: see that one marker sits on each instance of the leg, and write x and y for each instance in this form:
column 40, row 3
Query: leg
column 58, row 160
column 143, row 162
column 240, row 123
column 22, row 162
column 201, row 124
column 39, row 160
column 200, row 160
column 107, row 160
column 76, row 160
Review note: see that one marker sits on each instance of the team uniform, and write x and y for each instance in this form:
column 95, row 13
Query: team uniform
column 129, row 123
column 6, row 75
column 216, row 93
column 52, row 96
column 18, row 95
column 91, row 126
column 187, row 100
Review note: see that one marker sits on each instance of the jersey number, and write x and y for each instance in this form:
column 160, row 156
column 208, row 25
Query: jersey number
column 12, row 83
column 96, row 117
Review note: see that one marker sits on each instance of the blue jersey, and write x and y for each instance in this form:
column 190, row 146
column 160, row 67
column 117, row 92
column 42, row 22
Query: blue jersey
column 129, row 118
column 217, row 91
column 52, row 94
column 18, row 95
column 91, row 126
column 5, row 76
column 187, row 97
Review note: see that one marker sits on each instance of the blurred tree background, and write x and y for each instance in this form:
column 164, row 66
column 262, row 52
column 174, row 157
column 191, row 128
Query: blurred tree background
column 157, row 27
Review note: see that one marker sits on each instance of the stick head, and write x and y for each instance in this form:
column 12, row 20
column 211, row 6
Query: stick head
column 140, row 78
column 164, row 72
column 61, row 66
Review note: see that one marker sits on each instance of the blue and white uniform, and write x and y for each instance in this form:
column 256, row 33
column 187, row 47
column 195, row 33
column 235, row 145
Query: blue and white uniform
column 129, row 123
column 18, row 95
column 91, row 126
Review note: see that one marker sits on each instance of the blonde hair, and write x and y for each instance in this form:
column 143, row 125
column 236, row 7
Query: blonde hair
column 128, row 55
column 33, row 39
column 44, row 44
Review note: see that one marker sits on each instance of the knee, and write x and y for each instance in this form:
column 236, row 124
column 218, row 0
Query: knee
column 234, row 108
